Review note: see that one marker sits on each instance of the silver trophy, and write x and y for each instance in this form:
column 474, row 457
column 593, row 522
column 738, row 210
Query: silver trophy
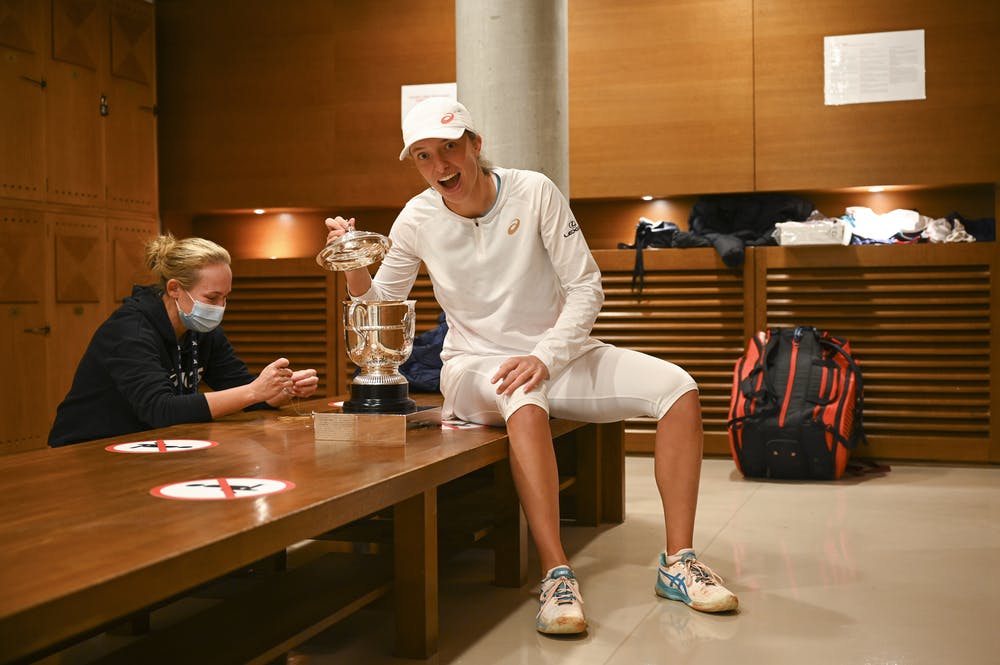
column 379, row 335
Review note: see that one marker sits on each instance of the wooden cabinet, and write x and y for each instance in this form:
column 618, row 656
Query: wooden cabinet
column 294, row 105
column 79, row 250
column 77, row 188
column 665, row 99
column 127, row 261
column 73, row 130
column 660, row 97
column 922, row 322
column 130, row 126
column 24, row 329
column 952, row 136
column 61, row 275
column 23, row 46
column 81, row 78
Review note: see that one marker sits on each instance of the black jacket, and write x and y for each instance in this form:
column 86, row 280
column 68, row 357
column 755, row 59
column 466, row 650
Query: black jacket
column 129, row 379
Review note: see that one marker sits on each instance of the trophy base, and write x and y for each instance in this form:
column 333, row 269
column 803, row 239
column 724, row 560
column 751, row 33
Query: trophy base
column 392, row 399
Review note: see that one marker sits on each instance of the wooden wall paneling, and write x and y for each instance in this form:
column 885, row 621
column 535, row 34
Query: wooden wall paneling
column 234, row 74
column 24, row 336
column 23, row 42
column 128, row 240
column 919, row 322
column 246, row 100
column 661, row 97
column 279, row 308
column 691, row 313
column 950, row 137
column 381, row 46
column 79, row 301
column 131, row 124
column 994, row 363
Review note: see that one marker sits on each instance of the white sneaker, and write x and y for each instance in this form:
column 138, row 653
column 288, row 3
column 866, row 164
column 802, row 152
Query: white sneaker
column 561, row 606
column 694, row 583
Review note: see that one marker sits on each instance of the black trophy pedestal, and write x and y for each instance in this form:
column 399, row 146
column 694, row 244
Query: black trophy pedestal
column 392, row 399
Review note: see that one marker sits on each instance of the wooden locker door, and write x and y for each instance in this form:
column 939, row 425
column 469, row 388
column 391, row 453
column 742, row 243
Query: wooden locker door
column 24, row 414
column 130, row 149
column 950, row 137
column 22, row 89
column 660, row 97
column 79, row 250
column 128, row 257
column 74, row 160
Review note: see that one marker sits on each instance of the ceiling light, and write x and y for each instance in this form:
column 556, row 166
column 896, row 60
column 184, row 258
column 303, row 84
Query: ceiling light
column 259, row 211
column 876, row 189
column 647, row 197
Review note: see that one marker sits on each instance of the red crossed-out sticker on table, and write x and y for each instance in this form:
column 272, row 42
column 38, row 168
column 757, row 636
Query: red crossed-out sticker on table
column 161, row 446
column 212, row 489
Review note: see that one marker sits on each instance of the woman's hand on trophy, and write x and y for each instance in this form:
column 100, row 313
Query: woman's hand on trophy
column 338, row 226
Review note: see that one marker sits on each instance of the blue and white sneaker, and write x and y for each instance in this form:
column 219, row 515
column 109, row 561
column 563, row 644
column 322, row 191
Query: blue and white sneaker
column 561, row 606
column 694, row 584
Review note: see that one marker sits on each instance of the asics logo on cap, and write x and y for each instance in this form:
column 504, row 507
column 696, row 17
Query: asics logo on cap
column 447, row 117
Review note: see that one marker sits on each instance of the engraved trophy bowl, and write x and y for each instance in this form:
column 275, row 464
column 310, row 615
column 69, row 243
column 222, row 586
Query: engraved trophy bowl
column 379, row 336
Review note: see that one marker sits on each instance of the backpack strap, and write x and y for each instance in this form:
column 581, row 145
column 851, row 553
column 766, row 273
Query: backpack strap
column 835, row 344
column 764, row 396
column 642, row 232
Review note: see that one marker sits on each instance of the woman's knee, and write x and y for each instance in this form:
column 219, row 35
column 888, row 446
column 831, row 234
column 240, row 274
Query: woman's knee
column 685, row 413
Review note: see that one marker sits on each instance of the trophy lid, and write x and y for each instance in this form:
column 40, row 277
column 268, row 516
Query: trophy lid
column 354, row 249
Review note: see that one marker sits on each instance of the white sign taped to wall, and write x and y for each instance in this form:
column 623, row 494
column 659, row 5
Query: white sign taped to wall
column 413, row 94
column 874, row 67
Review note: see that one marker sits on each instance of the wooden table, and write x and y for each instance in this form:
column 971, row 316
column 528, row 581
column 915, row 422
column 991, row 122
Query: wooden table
column 84, row 542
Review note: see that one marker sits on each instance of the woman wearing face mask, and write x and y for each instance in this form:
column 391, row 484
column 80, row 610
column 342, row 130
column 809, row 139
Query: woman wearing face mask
column 144, row 365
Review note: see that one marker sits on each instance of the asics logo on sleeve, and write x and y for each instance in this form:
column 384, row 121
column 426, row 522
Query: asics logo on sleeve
column 573, row 228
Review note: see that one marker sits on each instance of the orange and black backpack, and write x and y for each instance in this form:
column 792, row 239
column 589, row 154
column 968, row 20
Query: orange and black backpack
column 796, row 407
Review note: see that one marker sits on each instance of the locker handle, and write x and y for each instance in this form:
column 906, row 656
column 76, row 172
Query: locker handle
column 40, row 330
column 41, row 84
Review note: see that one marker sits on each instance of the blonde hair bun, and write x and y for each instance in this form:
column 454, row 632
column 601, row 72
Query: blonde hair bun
column 169, row 258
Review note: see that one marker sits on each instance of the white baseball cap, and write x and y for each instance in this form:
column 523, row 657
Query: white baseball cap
column 435, row 118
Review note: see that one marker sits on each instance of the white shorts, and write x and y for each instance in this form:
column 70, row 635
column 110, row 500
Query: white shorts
column 604, row 385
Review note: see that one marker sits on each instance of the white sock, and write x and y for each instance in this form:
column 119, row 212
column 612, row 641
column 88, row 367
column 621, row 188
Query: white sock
column 674, row 558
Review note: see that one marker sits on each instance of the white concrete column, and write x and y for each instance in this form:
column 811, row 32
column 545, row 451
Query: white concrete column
column 511, row 61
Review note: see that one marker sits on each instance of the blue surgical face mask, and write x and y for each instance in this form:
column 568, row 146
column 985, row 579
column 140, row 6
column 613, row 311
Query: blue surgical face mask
column 203, row 317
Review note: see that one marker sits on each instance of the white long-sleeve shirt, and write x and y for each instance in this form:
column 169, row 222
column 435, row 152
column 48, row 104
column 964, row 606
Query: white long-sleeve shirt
column 520, row 280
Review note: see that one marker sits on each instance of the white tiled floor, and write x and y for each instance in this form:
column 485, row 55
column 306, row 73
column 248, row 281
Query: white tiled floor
column 878, row 570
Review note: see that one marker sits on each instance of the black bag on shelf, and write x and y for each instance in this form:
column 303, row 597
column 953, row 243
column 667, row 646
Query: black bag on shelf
column 649, row 234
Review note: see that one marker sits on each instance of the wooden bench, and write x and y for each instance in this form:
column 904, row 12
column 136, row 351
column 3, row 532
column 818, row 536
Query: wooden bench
column 85, row 544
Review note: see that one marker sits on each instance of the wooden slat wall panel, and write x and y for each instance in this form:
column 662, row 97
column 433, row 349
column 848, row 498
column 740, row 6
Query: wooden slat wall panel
column 919, row 321
column 691, row 312
column 279, row 308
